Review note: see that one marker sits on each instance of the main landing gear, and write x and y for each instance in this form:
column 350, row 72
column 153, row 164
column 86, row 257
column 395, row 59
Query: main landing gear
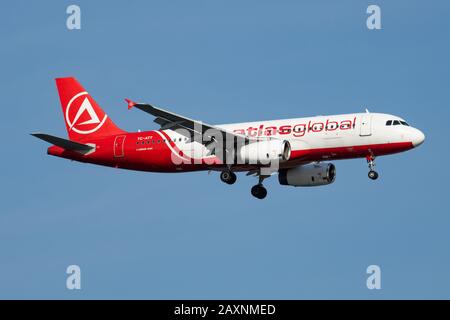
column 228, row 177
column 371, row 163
column 258, row 191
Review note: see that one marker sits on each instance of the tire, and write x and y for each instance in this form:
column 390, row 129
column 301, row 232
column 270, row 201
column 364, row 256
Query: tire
column 228, row 177
column 259, row 191
column 373, row 175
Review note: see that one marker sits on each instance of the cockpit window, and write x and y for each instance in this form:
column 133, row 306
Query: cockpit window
column 396, row 123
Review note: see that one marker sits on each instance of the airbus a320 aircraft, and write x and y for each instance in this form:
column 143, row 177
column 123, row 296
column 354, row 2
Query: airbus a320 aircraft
column 297, row 149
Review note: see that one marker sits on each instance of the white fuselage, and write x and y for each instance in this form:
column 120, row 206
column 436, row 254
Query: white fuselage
column 346, row 136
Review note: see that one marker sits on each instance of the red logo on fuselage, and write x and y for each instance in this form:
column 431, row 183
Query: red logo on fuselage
column 81, row 116
column 298, row 130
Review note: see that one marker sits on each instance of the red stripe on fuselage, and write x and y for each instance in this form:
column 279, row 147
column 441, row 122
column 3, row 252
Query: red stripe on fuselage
column 158, row 157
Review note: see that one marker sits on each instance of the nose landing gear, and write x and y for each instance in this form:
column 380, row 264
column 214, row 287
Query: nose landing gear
column 373, row 175
column 371, row 163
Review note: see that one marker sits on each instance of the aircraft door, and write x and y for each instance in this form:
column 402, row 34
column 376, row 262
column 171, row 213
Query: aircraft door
column 365, row 125
column 119, row 146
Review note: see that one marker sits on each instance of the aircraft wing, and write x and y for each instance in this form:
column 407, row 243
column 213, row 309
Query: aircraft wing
column 169, row 120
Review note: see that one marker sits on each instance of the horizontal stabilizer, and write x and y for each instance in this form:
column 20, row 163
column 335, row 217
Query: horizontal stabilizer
column 63, row 143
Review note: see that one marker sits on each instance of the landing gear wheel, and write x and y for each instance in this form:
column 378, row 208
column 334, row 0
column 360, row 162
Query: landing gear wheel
column 259, row 191
column 373, row 175
column 228, row 177
column 371, row 163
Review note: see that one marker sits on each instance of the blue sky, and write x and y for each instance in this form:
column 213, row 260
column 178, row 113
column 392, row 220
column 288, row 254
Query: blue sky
column 164, row 236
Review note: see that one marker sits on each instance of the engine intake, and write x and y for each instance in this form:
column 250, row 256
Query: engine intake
column 310, row 175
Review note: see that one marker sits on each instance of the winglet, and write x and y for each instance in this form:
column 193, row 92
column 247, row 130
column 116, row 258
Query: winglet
column 131, row 103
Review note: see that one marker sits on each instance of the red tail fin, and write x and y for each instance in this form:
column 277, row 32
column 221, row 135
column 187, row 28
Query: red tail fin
column 83, row 116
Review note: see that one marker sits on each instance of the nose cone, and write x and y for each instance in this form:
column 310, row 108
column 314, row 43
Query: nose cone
column 417, row 138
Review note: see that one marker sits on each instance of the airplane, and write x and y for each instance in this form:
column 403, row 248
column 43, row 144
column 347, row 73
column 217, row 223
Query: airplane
column 298, row 150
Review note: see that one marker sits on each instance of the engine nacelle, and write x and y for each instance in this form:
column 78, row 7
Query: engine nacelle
column 316, row 174
column 263, row 152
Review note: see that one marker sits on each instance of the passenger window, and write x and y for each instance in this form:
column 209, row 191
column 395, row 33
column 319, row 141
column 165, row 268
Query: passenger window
column 396, row 123
column 389, row 122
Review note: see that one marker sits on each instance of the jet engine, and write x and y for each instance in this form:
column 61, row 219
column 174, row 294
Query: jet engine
column 263, row 152
column 310, row 175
